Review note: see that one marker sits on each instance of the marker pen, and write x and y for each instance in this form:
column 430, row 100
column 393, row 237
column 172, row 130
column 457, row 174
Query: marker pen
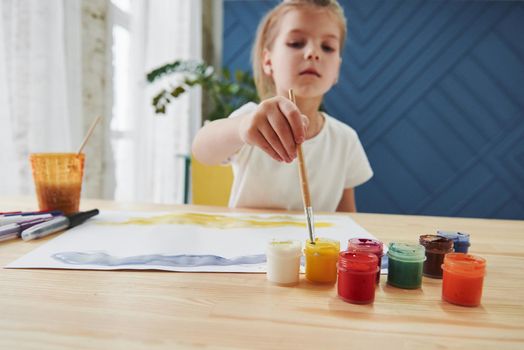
column 57, row 224
column 28, row 213
column 13, row 230
column 10, row 213
column 9, row 219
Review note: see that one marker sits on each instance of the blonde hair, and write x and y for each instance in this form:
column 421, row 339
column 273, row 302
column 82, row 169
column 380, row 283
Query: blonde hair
column 268, row 30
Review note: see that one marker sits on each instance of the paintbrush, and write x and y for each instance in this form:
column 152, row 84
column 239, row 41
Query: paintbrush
column 306, row 198
column 89, row 132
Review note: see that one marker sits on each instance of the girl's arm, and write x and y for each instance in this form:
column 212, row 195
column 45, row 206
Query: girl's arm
column 347, row 203
column 276, row 126
column 217, row 140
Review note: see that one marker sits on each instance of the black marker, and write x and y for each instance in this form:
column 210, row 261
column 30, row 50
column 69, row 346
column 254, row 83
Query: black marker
column 57, row 224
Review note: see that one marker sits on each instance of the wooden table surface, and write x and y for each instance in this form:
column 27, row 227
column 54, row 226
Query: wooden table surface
column 73, row 309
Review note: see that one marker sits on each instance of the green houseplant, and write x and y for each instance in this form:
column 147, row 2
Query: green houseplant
column 225, row 91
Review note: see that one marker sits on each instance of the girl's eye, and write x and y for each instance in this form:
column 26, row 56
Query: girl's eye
column 328, row 48
column 295, row 44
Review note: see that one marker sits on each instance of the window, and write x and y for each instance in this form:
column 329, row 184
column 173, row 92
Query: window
column 150, row 150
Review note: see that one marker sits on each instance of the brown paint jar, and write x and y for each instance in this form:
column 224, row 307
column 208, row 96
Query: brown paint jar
column 436, row 248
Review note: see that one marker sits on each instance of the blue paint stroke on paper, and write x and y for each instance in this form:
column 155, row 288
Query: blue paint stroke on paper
column 104, row 259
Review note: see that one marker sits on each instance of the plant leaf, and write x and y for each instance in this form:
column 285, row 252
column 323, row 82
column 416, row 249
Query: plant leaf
column 177, row 91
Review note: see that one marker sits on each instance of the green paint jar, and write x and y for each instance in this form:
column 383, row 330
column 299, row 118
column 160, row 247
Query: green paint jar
column 405, row 262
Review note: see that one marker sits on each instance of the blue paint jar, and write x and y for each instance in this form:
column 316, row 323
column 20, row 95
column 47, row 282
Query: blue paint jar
column 460, row 240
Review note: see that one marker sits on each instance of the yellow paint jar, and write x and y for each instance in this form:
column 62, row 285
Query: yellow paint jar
column 321, row 260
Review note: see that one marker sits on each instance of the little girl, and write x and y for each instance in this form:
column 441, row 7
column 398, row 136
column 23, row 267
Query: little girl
column 298, row 46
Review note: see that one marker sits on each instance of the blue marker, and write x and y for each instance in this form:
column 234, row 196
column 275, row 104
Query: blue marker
column 57, row 224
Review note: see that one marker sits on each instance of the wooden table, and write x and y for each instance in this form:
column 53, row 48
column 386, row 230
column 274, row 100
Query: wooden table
column 68, row 309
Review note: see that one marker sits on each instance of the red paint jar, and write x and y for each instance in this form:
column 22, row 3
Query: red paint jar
column 368, row 245
column 356, row 277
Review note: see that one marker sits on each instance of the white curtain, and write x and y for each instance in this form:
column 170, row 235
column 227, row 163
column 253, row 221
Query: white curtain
column 35, row 91
column 160, row 32
column 41, row 100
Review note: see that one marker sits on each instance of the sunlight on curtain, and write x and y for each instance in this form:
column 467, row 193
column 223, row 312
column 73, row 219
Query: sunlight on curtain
column 34, row 91
column 149, row 148
column 9, row 164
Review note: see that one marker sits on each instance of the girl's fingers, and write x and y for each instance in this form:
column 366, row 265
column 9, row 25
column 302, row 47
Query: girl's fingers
column 261, row 142
column 271, row 136
column 281, row 127
column 294, row 118
column 276, row 127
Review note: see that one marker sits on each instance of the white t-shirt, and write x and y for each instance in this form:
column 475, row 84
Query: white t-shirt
column 335, row 160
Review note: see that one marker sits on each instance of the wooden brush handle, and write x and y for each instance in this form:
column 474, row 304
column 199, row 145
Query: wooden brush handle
column 302, row 167
column 306, row 198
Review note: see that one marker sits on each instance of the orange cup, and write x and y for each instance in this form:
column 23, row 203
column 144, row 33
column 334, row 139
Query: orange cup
column 58, row 180
column 462, row 279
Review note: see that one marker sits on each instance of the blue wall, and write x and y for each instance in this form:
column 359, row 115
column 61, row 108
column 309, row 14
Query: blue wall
column 435, row 90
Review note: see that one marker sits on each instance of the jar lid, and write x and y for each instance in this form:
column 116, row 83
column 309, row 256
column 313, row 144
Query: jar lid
column 284, row 248
column 322, row 246
column 438, row 243
column 464, row 263
column 454, row 235
column 366, row 245
column 407, row 251
column 358, row 261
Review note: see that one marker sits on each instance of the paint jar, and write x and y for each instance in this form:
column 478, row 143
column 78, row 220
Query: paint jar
column 356, row 276
column 283, row 262
column 460, row 240
column 436, row 247
column 368, row 245
column 405, row 262
column 463, row 279
column 321, row 260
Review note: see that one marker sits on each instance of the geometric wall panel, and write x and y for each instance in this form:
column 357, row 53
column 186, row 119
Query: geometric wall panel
column 435, row 90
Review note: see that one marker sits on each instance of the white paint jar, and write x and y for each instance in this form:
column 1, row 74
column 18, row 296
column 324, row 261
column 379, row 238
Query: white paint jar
column 283, row 262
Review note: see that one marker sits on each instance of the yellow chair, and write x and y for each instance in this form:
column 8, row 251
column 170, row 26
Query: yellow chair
column 210, row 185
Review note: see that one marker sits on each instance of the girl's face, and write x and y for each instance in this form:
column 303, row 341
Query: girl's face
column 305, row 54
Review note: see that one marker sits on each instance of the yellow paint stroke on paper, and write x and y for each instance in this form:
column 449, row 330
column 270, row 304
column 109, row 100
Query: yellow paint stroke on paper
column 220, row 221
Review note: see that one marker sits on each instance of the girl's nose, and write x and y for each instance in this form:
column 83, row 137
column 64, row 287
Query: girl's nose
column 311, row 54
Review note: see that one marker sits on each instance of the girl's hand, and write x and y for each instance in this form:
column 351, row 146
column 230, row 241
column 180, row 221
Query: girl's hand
column 277, row 127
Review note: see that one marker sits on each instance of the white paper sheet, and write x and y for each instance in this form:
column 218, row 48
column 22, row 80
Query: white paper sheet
column 106, row 243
